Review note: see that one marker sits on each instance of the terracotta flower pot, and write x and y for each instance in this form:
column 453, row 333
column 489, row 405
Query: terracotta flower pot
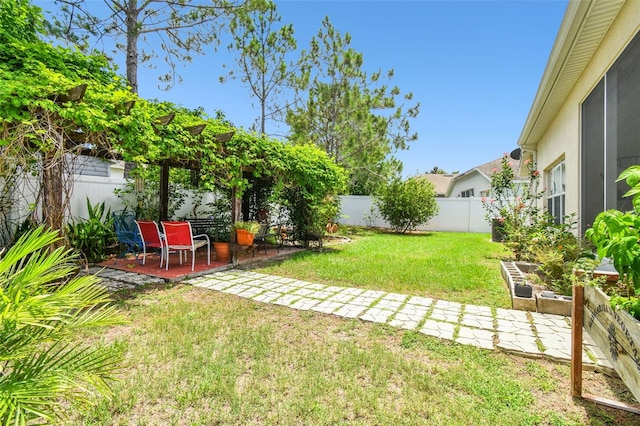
column 244, row 237
column 221, row 249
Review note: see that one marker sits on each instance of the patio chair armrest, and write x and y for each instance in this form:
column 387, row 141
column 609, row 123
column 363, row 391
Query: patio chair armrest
column 203, row 235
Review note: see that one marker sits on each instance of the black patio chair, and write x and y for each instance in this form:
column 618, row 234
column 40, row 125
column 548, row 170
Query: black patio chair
column 265, row 234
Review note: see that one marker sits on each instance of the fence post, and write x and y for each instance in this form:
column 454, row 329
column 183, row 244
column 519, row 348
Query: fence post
column 577, row 321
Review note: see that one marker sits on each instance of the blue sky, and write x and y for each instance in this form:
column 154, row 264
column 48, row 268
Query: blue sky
column 474, row 66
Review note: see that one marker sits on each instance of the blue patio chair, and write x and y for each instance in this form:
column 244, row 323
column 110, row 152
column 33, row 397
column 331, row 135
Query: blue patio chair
column 127, row 232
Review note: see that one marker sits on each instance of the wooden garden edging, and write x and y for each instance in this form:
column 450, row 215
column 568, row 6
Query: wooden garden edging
column 617, row 334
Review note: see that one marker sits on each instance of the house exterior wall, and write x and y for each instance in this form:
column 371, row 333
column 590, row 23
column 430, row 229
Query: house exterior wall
column 90, row 166
column 474, row 180
column 561, row 139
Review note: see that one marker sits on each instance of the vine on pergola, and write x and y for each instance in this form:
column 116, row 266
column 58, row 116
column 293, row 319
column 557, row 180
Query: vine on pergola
column 56, row 103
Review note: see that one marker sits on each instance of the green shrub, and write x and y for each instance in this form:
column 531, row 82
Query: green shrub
column 406, row 205
column 515, row 205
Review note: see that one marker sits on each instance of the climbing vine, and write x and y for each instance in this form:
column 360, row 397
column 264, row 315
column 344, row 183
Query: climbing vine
column 57, row 103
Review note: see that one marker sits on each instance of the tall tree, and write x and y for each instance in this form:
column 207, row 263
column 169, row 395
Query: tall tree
column 179, row 27
column 357, row 118
column 263, row 49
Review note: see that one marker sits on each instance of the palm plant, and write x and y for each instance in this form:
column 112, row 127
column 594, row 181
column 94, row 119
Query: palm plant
column 43, row 305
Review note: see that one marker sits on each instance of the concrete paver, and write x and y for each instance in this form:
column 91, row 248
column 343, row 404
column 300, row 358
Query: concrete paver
column 484, row 311
column 444, row 315
column 407, row 321
column 377, row 314
column 443, row 330
column 305, row 304
column 528, row 333
column 476, row 337
column 479, row 321
column 349, row 311
column 420, row 301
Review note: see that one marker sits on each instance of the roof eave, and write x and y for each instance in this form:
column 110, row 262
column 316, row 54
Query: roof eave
column 584, row 25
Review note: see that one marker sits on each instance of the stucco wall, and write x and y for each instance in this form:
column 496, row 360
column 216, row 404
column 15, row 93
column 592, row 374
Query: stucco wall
column 562, row 138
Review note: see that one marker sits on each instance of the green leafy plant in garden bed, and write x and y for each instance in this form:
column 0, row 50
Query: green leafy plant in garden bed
column 95, row 237
column 616, row 235
column 557, row 251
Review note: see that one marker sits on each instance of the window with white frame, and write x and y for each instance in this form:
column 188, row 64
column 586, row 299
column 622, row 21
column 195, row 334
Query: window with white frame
column 556, row 190
column 467, row 194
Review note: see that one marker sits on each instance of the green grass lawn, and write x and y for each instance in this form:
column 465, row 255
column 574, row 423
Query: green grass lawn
column 199, row 357
column 460, row 267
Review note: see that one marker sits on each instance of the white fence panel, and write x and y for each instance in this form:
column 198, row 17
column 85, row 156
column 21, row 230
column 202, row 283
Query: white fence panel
column 455, row 214
column 97, row 189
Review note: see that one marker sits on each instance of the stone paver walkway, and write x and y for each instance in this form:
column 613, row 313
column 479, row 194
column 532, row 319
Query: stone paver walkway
column 527, row 333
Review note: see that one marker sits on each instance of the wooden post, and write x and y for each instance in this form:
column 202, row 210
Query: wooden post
column 236, row 211
column 577, row 321
column 577, row 326
column 164, row 191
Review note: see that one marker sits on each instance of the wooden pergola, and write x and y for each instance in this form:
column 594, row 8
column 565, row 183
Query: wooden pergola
column 79, row 144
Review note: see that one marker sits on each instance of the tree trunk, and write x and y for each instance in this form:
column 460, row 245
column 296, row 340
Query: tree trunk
column 132, row 44
column 52, row 189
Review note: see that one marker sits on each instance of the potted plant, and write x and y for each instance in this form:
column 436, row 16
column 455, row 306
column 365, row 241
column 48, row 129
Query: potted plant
column 245, row 231
column 220, row 232
column 221, row 238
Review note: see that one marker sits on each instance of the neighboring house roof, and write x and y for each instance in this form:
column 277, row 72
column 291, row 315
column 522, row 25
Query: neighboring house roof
column 440, row 181
column 486, row 170
column 584, row 25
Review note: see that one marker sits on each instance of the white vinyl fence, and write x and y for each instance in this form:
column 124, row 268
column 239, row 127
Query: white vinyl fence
column 455, row 214
column 100, row 189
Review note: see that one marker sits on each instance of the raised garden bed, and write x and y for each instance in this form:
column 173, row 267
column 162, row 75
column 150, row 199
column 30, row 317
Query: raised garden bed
column 541, row 300
column 616, row 333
